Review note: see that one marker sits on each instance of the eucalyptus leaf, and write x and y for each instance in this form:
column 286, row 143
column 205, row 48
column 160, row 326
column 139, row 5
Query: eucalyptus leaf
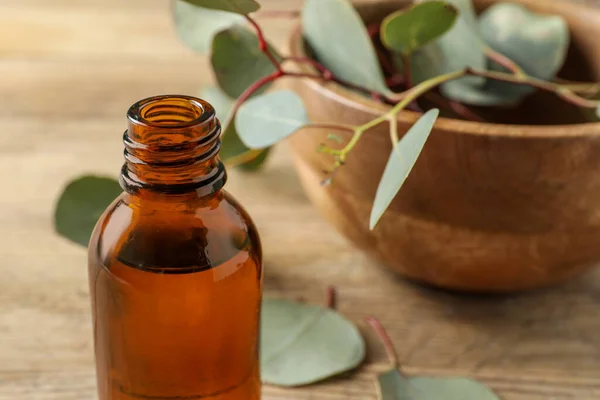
column 197, row 26
column 426, row 388
column 395, row 386
column 222, row 103
column 81, row 204
column 238, row 62
column 266, row 119
column 233, row 151
column 302, row 344
column 340, row 41
column 462, row 46
column 242, row 7
column 492, row 93
column 407, row 30
column 537, row 43
column 402, row 158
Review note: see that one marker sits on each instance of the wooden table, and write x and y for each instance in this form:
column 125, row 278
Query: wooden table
column 69, row 69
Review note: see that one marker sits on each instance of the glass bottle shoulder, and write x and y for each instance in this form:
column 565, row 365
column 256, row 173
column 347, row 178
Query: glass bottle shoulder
column 174, row 236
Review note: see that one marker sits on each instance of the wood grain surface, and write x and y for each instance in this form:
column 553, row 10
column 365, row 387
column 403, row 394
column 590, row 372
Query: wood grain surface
column 69, row 69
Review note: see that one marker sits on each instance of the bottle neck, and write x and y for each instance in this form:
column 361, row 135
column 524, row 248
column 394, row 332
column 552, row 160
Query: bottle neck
column 171, row 148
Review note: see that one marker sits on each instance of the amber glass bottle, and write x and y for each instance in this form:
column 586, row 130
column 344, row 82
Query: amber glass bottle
column 175, row 266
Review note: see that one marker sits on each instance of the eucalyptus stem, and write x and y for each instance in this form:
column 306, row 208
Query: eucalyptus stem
column 568, row 91
column 330, row 298
column 394, row 130
column 262, row 43
column 587, row 88
column 504, row 61
column 561, row 91
column 406, row 71
column 385, row 339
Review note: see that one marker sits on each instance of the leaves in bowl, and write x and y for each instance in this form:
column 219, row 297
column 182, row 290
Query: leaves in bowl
column 408, row 30
column 343, row 46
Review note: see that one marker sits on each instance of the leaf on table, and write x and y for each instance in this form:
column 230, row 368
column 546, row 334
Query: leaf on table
column 81, row 204
column 395, row 386
column 197, row 26
column 233, row 151
column 303, row 344
column 266, row 119
column 238, row 62
column 340, row 41
column 242, row 7
column 407, row 30
column 460, row 47
column 403, row 157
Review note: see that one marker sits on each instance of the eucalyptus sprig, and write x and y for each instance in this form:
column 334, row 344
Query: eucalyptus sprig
column 476, row 61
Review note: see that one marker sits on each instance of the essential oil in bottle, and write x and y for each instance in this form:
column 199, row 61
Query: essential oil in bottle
column 175, row 266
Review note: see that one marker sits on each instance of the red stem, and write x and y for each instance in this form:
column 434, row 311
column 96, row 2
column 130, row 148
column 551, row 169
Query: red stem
column 331, row 78
column 464, row 111
column 278, row 14
column 406, row 71
column 394, row 80
column 262, row 43
column 252, row 89
column 373, row 29
column 459, row 108
column 502, row 60
column 331, row 297
column 385, row 339
column 322, row 69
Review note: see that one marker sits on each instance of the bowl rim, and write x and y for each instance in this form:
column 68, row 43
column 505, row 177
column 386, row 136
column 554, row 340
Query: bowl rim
column 351, row 99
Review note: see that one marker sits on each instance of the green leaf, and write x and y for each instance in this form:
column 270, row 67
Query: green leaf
column 490, row 94
column 197, row 26
column 243, row 7
column 222, row 103
column 394, row 386
column 232, row 148
column 427, row 388
column 340, row 41
column 460, row 47
column 238, row 62
column 269, row 118
column 302, row 344
column 537, row 43
column 598, row 112
column 402, row 158
column 407, row 30
column 81, row 204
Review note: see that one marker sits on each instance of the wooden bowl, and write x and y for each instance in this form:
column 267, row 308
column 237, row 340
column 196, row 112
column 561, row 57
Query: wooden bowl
column 488, row 207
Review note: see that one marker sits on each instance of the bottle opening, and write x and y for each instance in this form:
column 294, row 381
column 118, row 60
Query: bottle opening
column 170, row 112
column 171, row 146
